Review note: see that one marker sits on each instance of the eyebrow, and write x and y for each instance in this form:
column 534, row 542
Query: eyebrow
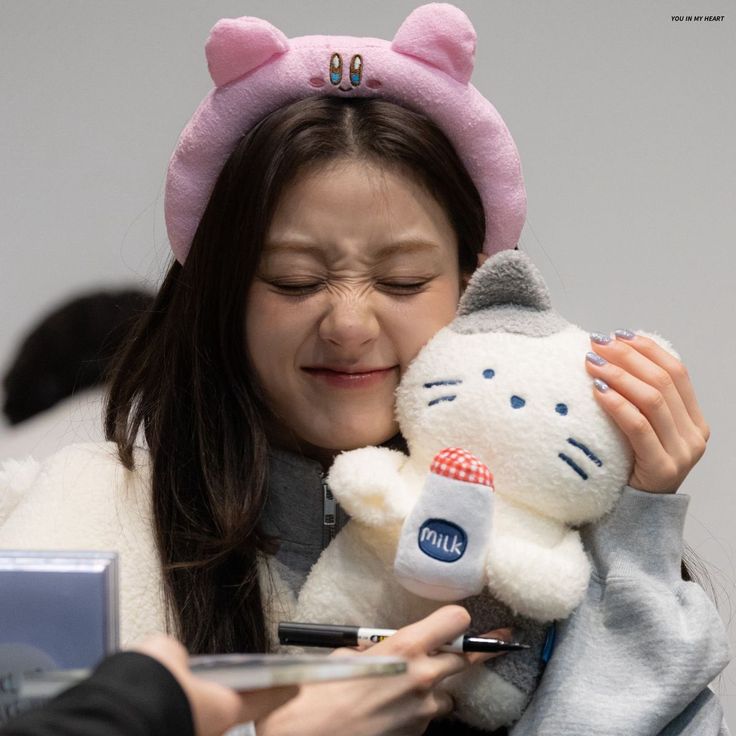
column 412, row 245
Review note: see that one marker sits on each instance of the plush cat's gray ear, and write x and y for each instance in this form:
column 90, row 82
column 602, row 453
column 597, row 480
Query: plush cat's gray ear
column 506, row 278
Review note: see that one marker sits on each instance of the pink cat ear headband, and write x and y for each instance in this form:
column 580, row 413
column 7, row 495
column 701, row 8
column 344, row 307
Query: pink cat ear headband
column 426, row 67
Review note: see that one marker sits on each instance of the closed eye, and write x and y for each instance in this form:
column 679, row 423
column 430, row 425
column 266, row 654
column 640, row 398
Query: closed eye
column 297, row 289
column 403, row 287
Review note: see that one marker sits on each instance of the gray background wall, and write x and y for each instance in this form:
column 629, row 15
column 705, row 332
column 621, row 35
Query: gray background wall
column 624, row 120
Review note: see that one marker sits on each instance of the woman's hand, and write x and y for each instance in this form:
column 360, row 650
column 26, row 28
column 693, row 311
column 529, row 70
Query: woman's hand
column 215, row 708
column 648, row 393
column 403, row 704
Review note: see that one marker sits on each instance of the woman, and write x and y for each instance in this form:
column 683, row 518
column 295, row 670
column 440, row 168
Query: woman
column 336, row 241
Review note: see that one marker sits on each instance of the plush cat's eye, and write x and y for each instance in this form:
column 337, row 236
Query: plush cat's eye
column 489, row 373
column 561, row 409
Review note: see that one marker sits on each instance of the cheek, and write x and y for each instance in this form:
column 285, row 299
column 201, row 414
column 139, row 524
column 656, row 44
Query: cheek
column 423, row 319
column 273, row 333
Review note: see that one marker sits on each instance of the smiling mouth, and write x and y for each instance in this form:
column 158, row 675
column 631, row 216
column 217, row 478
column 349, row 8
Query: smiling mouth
column 350, row 379
column 357, row 372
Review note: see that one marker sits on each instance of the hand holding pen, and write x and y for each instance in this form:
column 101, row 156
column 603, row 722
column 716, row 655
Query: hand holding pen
column 403, row 704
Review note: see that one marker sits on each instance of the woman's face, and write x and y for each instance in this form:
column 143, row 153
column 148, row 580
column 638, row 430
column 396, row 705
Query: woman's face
column 360, row 269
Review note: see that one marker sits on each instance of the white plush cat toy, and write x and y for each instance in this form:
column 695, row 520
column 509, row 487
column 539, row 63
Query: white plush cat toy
column 499, row 405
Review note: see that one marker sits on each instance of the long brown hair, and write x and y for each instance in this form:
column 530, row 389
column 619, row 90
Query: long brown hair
column 184, row 375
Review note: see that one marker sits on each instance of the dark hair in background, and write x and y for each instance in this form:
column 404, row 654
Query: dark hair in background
column 185, row 375
column 69, row 350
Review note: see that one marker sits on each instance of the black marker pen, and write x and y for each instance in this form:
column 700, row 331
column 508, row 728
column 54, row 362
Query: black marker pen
column 333, row 636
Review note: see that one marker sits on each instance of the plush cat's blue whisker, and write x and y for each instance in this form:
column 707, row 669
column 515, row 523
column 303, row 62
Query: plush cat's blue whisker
column 445, row 382
column 573, row 465
column 442, row 398
column 587, row 451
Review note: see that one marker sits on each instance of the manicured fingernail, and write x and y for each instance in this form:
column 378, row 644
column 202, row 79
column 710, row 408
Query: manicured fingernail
column 624, row 334
column 595, row 359
column 600, row 338
column 602, row 386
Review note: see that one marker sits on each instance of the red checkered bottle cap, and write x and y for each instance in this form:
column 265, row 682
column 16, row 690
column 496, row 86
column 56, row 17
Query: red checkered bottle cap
column 454, row 462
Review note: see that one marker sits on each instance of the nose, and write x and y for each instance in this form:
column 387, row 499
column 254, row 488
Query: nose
column 349, row 322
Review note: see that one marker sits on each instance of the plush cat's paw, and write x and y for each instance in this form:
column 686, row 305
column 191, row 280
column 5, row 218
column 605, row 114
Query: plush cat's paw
column 368, row 485
column 543, row 583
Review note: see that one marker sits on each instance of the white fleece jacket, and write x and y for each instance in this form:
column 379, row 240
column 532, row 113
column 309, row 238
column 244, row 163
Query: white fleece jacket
column 82, row 498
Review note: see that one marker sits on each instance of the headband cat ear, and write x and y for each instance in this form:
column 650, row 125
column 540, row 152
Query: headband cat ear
column 441, row 35
column 236, row 46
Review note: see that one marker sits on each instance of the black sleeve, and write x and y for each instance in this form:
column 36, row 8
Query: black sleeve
column 129, row 694
column 453, row 727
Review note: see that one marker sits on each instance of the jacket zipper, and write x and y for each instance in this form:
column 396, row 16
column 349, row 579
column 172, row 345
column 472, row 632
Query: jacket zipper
column 329, row 513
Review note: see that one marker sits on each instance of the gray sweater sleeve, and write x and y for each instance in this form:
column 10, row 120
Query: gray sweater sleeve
column 637, row 655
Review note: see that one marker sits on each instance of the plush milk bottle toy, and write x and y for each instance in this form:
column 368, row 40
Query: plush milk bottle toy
column 444, row 540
